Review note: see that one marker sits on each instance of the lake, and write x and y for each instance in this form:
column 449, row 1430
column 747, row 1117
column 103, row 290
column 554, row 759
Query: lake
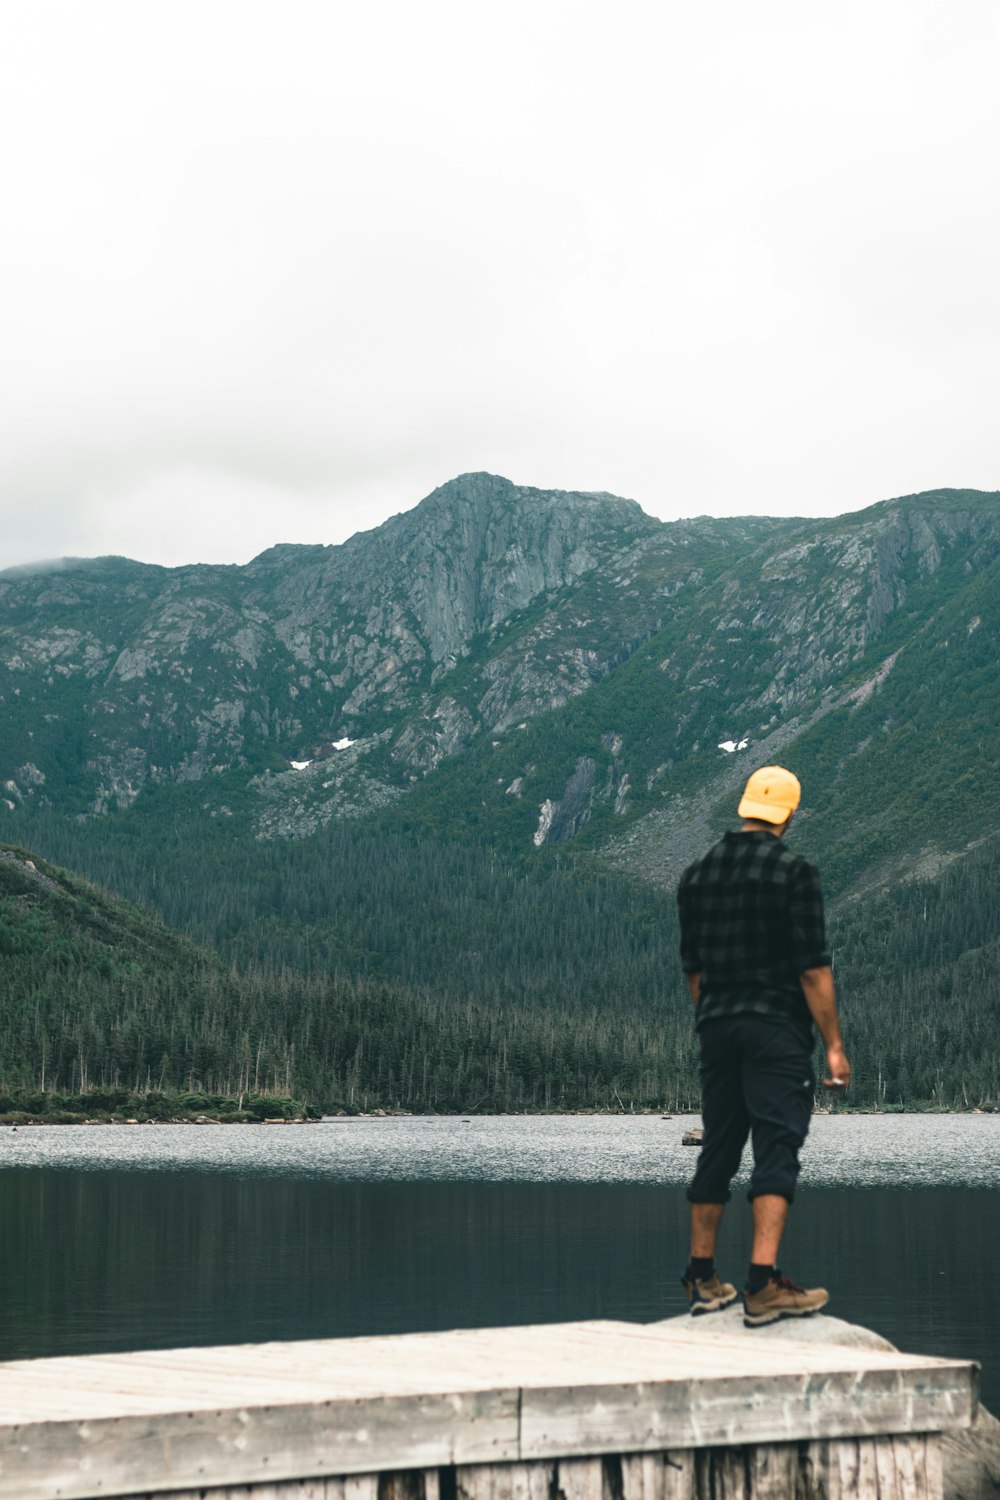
column 117, row 1237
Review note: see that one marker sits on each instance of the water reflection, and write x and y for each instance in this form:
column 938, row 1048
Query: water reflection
column 115, row 1260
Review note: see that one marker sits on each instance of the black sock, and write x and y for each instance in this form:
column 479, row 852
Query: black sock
column 700, row 1267
column 758, row 1276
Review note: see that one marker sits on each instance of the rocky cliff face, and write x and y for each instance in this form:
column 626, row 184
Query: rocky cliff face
column 413, row 637
column 467, row 633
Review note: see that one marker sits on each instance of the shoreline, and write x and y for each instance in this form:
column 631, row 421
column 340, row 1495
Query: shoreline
column 22, row 1120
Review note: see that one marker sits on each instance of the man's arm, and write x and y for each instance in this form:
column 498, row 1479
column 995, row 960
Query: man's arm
column 808, row 933
column 821, row 998
column 690, row 957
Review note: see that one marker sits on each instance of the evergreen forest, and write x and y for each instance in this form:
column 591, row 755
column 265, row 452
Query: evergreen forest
column 476, row 987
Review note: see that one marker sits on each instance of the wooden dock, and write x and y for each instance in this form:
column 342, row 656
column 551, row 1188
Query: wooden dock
column 575, row 1411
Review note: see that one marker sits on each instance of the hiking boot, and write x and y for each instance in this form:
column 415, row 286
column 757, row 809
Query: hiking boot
column 707, row 1296
column 781, row 1298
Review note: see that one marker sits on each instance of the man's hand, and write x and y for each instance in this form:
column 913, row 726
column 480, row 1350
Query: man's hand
column 821, row 998
column 838, row 1067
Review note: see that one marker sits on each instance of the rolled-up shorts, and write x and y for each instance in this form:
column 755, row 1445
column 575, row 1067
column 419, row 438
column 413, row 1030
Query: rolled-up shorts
column 756, row 1080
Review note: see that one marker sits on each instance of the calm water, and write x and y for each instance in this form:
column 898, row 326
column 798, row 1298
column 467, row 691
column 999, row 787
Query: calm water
column 119, row 1237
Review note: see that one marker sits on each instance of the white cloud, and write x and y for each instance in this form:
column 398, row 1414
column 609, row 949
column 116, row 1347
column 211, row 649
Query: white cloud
column 283, row 269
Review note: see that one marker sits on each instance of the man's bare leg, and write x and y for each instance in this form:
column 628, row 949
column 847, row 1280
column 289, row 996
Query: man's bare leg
column 764, row 1299
column 705, row 1221
column 770, row 1215
column 705, row 1290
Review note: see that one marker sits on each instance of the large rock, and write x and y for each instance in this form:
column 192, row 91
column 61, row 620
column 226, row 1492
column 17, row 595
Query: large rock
column 816, row 1330
column 971, row 1459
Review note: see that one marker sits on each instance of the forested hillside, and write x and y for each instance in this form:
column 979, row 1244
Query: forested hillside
column 97, row 995
column 512, row 993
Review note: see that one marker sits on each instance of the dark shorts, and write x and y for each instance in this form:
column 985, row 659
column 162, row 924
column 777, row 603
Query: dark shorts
column 756, row 1080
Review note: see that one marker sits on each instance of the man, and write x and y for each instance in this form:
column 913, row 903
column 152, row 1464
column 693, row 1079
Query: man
column 753, row 948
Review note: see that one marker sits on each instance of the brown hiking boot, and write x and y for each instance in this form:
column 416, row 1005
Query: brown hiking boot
column 781, row 1298
column 707, row 1296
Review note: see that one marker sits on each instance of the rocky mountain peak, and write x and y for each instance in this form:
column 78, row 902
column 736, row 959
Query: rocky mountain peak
column 491, row 492
column 478, row 488
column 352, row 671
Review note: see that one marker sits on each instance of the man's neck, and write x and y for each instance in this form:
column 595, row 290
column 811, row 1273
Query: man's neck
column 754, row 825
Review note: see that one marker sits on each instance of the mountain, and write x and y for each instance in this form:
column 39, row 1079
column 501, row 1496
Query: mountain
column 439, row 782
column 454, row 618
column 531, row 668
column 861, row 651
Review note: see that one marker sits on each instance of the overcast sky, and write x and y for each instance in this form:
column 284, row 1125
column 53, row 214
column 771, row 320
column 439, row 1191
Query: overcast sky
column 271, row 270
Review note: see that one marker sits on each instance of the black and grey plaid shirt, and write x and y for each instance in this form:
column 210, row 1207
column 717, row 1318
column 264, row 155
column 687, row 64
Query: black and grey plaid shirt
column 751, row 920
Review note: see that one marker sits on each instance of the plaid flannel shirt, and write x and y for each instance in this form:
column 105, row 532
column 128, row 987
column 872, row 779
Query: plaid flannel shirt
column 751, row 919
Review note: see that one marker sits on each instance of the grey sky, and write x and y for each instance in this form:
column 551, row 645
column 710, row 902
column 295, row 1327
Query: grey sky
column 272, row 271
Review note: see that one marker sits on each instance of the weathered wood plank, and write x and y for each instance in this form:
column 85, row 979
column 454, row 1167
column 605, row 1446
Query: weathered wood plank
column 200, row 1449
column 579, row 1479
column 921, row 1474
column 934, row 1460
column 867, row 1480
column 873, row 1469
column 846, row 1455
column 504, row 1481
column 773, row 1471
column 356, row 1487
column 165, row 1380
column 193, row 1420
column 682, row 1414
column 531, row 1481
column 818, row 1471
column 643, row 1476
column 680, row 1476
column 296, row 1489
column 474, row 1482
column 885, row 1468
column 906, row 1469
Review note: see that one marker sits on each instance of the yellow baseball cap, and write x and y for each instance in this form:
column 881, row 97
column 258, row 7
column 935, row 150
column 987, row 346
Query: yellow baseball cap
column 771, row 794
